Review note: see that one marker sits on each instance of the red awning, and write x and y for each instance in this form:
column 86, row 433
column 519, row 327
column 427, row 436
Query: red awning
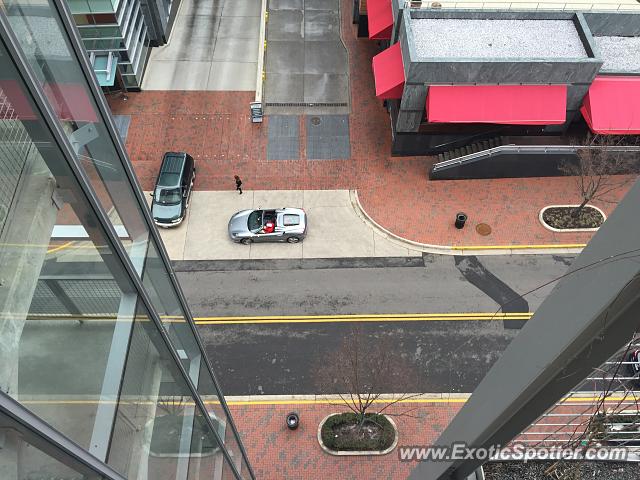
column 612, row 106
column 501, row 104
column 388, row 73
column 380, row 19
column 14, row 102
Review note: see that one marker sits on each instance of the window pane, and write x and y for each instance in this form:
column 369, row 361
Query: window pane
column 163, row 296
column 21, row 460
column 65, row 301
column 50, row 55
column 159, row 432
column 211, row 399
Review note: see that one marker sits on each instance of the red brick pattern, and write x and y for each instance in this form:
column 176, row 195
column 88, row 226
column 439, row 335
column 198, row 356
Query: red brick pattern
column 215, row 128
column 277, row 453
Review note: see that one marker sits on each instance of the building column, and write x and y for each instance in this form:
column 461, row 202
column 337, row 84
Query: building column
column 412, row 106
column 575, row 97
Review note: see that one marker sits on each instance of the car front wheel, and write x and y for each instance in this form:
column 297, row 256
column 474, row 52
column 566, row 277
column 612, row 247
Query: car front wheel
column 293, row 239
column 246, row 241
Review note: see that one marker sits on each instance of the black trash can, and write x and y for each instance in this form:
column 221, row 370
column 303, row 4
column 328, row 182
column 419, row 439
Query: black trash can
column 293, row 420
column 461, row 219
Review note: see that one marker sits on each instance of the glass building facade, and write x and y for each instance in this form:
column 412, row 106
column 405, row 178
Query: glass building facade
column 102, row 372
column 118, row 35
column 115, row 34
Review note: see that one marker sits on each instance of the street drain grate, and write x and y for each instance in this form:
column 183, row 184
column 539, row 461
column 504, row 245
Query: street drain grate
column 483, row 229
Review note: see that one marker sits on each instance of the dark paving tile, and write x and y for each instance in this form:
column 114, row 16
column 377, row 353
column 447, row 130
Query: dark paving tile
column 285, row 25
column 327, row 137
column 283, row 137
column 325, row 57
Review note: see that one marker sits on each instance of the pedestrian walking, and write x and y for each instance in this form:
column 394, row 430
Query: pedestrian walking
column 238, row 184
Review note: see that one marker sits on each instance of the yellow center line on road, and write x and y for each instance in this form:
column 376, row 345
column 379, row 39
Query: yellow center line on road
column 274, row 319
column 61, row 247
column 418, row 317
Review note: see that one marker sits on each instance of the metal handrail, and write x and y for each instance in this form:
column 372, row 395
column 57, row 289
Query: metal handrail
column 527, row 149
column 545, row 6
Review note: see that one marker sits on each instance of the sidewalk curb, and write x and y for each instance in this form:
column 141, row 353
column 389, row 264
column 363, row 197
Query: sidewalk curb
column 462, row 249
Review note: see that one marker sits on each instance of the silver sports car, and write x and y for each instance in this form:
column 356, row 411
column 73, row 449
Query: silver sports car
column 279, row 225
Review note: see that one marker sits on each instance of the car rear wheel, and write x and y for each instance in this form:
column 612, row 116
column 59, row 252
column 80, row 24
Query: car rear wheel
column 293, row 239
column 246, row 241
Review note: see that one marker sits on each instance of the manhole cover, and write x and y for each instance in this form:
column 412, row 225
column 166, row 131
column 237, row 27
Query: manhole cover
column 315, row 120
column 483, row 229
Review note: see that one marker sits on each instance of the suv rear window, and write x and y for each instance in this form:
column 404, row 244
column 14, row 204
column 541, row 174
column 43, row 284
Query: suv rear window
column 168, row 196
column 290, row 220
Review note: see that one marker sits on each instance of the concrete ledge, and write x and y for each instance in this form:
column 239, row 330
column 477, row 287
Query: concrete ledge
column 335, row 399
column 569, row 230
column 347, row 453
column 561, row 249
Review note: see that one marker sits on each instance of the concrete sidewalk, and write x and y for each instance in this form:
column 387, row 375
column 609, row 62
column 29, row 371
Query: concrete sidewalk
column 213, row 46
column 335, row 229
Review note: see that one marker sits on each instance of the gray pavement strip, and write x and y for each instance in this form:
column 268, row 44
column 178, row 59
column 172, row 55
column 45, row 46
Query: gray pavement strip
column 328, row 137
column 284, row 88
column 285, row 25
column 321, row 25
column 326, row 88
column 285, row 56
column 295, row 264
column 322, row 5
column 285, row 5
column 283, row 137
column 303, row 38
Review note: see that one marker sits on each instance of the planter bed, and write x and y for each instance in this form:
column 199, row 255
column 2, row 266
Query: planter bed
column 340, row 434
column 559, row 218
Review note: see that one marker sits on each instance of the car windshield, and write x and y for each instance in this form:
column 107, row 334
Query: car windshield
column 168, row 196
column 255, row 220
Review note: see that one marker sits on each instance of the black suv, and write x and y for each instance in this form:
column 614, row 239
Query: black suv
column 173, row 189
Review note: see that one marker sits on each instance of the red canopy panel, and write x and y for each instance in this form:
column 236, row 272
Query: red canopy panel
column 388, row 73
column 612, row 106
column 70, row 102
column 501, row 104
column 380, row 19
column 14, row 102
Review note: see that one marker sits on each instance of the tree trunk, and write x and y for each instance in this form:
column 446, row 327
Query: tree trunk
column 578, row 210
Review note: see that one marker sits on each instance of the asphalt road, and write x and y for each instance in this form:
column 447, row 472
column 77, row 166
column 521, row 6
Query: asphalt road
column 284, row 358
